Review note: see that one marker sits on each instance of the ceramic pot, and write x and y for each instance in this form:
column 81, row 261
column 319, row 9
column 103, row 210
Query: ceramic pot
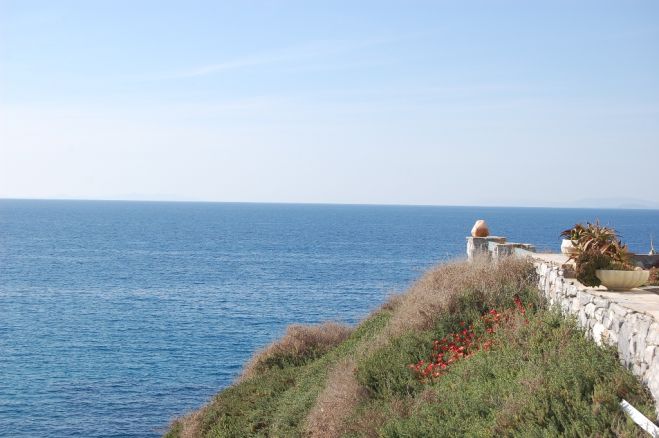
column 480, row 229
column 622, row 280
column 567, row 247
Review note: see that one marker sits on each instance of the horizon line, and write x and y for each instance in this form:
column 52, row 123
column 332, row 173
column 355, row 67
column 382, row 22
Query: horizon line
column 356, row 204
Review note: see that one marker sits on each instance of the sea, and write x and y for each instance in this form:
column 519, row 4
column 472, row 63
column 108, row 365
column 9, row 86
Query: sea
column 116, row 317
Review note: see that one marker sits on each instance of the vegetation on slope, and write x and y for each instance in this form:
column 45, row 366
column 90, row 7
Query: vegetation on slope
column 526, row 372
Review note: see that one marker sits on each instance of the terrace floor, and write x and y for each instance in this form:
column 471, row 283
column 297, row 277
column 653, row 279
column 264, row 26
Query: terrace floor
column 643, row 300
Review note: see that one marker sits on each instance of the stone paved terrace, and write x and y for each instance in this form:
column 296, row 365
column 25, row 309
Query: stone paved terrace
column 642, row 300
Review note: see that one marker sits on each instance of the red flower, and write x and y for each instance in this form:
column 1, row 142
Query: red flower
column 456, row 346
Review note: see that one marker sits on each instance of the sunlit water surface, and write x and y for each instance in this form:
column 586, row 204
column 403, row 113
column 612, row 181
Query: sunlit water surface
column 116, row 317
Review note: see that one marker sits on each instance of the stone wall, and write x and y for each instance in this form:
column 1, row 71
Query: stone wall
column 609, row 318
column 628, row 321
column 495, row 247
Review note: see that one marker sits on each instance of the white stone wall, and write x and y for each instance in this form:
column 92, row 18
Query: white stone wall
column 635, row 334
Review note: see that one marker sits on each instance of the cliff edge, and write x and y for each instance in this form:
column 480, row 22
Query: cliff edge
column 472, row 348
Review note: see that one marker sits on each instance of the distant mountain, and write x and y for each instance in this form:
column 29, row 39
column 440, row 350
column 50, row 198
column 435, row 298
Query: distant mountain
column 630, row 203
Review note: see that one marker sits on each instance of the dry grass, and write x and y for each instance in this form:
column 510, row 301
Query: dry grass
column 430, row 298
column 300, row 344
column 364, row 387
column 435, row 295
column 437, row 292
column 392, row 303
column 369, row 423
column 188, row 426
column 336, row 402
column 339, row 401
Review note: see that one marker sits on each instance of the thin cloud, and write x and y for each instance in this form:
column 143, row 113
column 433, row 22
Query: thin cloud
column 252, row 61
column 297, row 53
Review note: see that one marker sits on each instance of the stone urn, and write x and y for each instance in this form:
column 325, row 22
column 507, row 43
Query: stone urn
column 622, row 280
column 567, row 247
column 480, row 229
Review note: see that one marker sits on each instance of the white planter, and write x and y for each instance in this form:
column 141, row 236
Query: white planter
column 567, row 247
column 622, row 280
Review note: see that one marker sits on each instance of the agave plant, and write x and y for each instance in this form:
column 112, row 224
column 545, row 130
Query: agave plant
column 573, row 233
column 596, row 247
column 597, row 239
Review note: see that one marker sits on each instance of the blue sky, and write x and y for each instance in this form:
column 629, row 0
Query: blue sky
column 462, row 103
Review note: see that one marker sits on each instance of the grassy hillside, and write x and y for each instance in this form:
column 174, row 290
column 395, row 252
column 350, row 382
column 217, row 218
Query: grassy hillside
column 469, row 349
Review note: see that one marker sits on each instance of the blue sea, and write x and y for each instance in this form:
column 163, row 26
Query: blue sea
column 116, row 317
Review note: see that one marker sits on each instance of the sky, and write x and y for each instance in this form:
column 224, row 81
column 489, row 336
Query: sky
column 383, row 102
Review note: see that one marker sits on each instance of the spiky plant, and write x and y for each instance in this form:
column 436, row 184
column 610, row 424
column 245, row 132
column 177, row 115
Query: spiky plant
column 597, row 247
column 573, row 233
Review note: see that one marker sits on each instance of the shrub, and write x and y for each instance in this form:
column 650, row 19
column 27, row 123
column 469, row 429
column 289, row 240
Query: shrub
column 587, row 263
column 275, row 401
column 539, row 375
column 654, row 277
column 465, row 343
column 541, row 378
column 573, row 233
column 597, row 247
column 603, row 240
column 454, row 289
column 439, row 304
column 299, row 345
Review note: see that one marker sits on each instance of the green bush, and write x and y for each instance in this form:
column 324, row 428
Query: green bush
column 587, row 263
column 541, row 379
column 384, row 372
column 299, row 345
column 274, row 401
